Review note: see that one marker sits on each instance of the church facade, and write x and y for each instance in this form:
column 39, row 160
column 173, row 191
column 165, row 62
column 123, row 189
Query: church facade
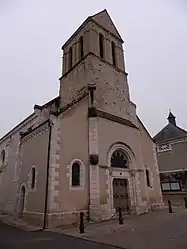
column 85, row 150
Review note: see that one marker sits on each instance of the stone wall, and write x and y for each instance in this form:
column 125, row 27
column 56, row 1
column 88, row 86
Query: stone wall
column 70, row 144
column 34, row 153
column 169, row 160
column 150, row 163
column 9, row 174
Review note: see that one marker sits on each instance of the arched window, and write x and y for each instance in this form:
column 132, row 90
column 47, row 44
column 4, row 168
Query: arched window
column 70, row 58
column 2, row 158
column 101, row 45
column 81, row 47
column 76, row 174
column 119, row 159
column 113, row 53
column 148, row 178
column 33, row 177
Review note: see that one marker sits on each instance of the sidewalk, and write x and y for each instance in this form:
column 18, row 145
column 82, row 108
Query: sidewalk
column 16, row 222
column 155, row 230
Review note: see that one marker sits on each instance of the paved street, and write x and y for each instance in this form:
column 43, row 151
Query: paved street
column 155, row 230
column 14, row 238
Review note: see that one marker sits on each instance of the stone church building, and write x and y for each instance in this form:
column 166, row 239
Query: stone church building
column 86, row 150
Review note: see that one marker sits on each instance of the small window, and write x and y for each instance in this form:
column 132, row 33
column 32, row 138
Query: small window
column 148, row 178
column 2, row 159
column 33, row 178
column 113, row 53
column 81, row 47
column 76, row 174
column 101, row 45
column 70, row 58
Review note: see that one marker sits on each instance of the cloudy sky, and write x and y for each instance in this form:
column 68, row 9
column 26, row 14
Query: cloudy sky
column 155, row 35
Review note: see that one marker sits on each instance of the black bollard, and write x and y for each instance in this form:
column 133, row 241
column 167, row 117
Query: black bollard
column 185, row 202
column 81, row 222
column 170, row 208
column 120, row 217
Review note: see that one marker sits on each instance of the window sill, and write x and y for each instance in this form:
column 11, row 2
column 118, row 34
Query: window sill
column 77, row 188
column 32, row 190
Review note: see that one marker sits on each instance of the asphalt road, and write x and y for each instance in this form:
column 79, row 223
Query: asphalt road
column 14, row 238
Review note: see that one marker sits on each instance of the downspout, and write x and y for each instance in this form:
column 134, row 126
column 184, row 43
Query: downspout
column 91, row 89
column 47, row 177
column 88, row 216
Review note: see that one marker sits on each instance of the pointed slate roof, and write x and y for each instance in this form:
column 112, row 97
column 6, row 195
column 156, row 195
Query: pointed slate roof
column 170, row 131
column 171, row 115
column 171, row 118
column 102, row 19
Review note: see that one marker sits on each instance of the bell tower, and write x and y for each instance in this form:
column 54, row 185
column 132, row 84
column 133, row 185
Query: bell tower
column 94, row 55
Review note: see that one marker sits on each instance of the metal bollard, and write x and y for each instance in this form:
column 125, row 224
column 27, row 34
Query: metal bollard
column 120, row 217
column 185, row 202
column 81, row 227
column 170, row 207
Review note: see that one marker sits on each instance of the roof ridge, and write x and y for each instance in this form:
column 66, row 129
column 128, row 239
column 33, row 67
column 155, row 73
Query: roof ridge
column 181, row 128
column 169, row 131
column 98, row 13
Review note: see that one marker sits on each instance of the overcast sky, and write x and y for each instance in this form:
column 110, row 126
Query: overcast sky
column 155, row 35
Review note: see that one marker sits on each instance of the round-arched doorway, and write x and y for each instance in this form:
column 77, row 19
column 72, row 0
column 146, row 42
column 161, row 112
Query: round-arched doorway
column 120, row 162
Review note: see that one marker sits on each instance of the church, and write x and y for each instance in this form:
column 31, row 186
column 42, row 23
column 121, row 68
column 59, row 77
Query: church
column 85, row 150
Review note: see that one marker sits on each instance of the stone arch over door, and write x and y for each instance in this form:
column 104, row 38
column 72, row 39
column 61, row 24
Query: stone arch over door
column 121, row 175
column 21, row 200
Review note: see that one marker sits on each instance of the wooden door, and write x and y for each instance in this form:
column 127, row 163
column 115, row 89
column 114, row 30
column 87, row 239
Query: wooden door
column 120, row 194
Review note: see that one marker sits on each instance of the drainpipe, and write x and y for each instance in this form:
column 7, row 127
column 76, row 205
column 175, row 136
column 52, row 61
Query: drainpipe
column 91, row 113
column 88, row 216
column 47, row 177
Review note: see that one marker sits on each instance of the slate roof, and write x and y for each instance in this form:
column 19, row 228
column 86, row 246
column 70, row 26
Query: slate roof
column 170, row 131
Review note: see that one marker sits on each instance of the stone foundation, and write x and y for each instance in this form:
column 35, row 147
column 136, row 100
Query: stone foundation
column 101, row 213
column 107, row 213
column 73, row 218
column 35, row 219
column 157, row 206
column 64, row 218
column 141, row 209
